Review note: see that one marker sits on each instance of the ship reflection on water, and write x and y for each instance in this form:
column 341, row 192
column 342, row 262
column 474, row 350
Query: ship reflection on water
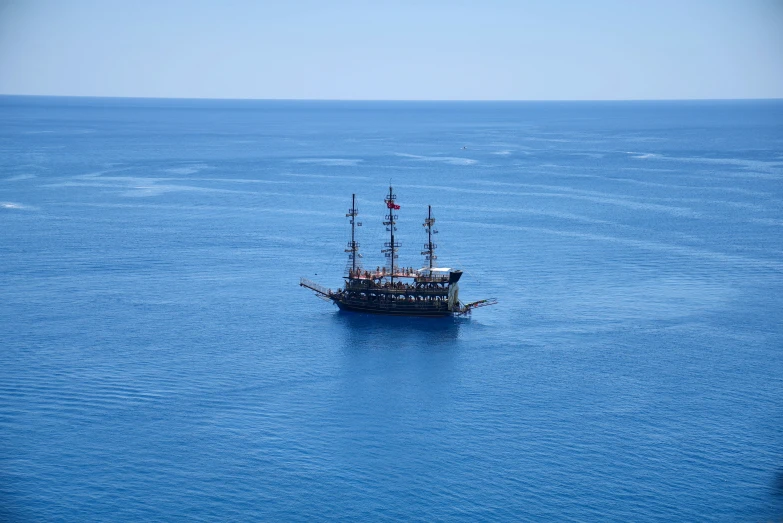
column 372, row 330
column 777, row 486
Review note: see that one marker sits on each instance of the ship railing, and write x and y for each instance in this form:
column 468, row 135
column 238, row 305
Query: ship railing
column 362, row 274
column 412, row 291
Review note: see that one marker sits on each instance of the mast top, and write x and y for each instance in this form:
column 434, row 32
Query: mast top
column 391, row 246
column 429, row 247
column 353, row 245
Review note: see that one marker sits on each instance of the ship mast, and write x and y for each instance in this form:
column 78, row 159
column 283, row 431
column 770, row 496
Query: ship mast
column 391, row 246
column 428, row 223
column 353, row 245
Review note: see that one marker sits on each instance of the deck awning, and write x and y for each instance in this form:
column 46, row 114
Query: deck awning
column 434, row 269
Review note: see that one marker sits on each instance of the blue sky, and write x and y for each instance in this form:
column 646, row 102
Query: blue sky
column 401, row 50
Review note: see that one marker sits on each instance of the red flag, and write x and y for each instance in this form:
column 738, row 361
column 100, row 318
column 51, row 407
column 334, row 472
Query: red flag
column 396, row 206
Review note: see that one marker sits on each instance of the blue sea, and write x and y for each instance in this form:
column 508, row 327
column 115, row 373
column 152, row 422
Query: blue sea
column 159, row 361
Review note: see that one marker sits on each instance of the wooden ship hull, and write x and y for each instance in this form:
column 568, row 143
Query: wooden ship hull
column 428, row 294
column 394, row 309
column 397, row 291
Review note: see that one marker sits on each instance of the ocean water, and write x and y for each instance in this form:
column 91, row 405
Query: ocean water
column 159, row 361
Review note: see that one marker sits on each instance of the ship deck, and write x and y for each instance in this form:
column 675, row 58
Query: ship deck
column 414, row 274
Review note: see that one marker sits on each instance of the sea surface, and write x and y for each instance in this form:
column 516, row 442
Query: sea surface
column 159, row 361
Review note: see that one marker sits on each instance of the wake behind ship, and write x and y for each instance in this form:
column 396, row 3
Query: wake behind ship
column 401, row 291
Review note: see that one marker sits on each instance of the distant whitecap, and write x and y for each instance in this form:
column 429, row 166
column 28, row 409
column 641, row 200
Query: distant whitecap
column 337, row 162
column 15, row 205
column 20, row 177
column 450, row 160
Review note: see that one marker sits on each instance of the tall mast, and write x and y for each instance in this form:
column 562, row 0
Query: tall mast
column 391, row 247
column 429, row 246
column 353, row 245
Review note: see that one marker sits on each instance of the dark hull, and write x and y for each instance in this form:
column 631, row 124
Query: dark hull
column 394, row 310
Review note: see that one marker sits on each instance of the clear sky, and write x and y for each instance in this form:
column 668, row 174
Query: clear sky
column 426, row 50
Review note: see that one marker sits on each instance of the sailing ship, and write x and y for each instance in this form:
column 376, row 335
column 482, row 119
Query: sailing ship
column 401, row 291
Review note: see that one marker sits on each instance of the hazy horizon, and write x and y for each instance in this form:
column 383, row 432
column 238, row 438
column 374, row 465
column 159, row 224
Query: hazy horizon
column 435, row 51
column 9, row 95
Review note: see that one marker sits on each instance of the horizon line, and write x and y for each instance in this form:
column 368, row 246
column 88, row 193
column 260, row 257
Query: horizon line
column 507, row 100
